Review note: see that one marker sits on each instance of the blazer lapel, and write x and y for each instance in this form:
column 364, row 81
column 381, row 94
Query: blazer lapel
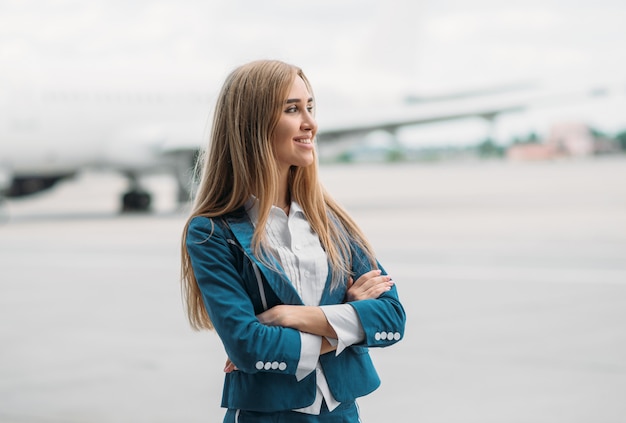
column 243, row 230
column 332, row 296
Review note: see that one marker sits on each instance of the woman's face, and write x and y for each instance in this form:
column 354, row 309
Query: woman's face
column 296, row 128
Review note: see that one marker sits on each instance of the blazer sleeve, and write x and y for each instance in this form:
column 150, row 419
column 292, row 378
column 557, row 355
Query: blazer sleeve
column 251, row 346
column 383, row 319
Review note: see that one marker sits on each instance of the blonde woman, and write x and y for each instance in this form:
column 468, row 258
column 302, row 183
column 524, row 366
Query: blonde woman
column 276, row 266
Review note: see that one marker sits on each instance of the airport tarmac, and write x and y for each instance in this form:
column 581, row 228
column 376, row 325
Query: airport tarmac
column 513, row 276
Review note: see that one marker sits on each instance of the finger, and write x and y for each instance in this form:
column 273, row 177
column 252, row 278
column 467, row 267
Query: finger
column 350, row 282
column 378, row 290
column 375, row 281
column 370, row 285
column 230, row 366
column 367, row 276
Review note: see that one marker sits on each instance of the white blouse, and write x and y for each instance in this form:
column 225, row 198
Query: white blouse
column 301, row 255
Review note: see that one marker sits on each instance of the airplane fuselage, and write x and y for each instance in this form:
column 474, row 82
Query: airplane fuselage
column 48, row 133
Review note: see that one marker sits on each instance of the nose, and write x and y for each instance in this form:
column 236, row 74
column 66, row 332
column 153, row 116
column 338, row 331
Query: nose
column 308, row 122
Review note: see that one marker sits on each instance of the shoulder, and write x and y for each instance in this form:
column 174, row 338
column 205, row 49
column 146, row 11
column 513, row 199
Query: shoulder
column 201, row 228
column 217, row 225
column 202, row 223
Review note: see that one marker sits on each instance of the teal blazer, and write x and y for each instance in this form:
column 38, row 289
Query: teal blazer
column 236, row 286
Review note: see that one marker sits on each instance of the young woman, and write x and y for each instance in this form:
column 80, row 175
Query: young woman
column 276, row 266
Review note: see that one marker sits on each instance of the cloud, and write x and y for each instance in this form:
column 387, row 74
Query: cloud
column 367, row 52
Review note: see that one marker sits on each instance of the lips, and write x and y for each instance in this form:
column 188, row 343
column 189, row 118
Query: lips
column 303, row 140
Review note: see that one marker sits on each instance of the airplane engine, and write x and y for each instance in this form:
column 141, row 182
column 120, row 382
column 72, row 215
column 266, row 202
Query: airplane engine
column 25, row 185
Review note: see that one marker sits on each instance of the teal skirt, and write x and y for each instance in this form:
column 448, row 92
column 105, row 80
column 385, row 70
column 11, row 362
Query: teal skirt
column 344, row 413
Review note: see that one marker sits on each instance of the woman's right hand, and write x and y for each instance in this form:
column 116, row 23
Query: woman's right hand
column 229, row 366
column 370, row 285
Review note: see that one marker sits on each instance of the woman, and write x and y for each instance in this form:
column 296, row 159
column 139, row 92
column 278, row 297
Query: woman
column 276, row 266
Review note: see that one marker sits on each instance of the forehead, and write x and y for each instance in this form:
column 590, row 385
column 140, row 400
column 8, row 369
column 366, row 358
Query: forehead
column 299, row 89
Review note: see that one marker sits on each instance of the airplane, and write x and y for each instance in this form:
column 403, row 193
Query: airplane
column 50, row 132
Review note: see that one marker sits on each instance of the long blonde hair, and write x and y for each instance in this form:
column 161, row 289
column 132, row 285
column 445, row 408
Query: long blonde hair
column 240, row 162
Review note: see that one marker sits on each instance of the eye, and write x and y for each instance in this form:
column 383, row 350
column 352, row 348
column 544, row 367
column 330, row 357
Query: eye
column 310, row 107
column 291, row 109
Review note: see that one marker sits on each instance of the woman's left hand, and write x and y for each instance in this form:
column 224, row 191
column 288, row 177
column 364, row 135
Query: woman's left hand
column 370, row 285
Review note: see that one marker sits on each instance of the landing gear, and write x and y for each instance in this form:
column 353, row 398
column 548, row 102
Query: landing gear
column 135, row 199
column 181, row 164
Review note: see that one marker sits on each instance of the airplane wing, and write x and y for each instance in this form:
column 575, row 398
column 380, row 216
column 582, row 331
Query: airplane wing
column 330, row 134
column 154, row 147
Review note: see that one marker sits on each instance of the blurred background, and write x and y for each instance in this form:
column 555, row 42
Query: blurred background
column 479, row 144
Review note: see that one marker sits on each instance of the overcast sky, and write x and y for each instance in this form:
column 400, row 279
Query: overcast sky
column 364, row 51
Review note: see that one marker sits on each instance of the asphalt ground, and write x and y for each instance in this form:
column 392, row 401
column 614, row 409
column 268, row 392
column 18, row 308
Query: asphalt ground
column 513, row 276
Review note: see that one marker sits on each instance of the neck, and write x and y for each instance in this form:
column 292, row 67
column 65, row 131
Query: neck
column 283, row 200
column 283, row 196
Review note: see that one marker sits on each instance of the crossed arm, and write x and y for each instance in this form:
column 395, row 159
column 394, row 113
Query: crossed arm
column 311, row 319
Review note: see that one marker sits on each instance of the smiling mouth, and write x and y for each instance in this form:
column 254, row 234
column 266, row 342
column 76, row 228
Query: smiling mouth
column 303, row 140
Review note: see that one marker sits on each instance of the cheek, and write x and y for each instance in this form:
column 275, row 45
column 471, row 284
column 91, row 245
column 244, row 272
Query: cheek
column 280, row 135
column 278, row 142
column 283, row 133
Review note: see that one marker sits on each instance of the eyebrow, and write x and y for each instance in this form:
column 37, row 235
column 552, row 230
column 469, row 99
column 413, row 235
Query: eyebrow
column 297, row 100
